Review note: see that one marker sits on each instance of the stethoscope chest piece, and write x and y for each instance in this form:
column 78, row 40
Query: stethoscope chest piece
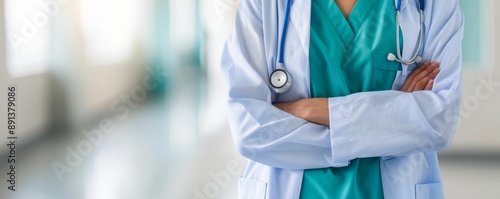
column 280, row 80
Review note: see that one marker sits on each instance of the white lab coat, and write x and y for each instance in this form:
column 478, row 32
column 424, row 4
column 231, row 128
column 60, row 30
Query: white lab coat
column 404, row 129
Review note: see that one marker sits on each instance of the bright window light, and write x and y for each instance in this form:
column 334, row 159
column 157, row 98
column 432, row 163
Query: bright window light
column 111, row 27
column 27, row 31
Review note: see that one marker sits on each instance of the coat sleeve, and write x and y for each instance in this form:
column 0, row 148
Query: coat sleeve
column 393, row 123
column 261, row 132
column 387, row 123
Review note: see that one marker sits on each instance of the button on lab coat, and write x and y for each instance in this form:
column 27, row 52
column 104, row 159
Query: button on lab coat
column 404, row 129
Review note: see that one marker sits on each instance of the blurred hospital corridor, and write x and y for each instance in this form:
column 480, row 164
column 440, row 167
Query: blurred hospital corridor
column 125, row 100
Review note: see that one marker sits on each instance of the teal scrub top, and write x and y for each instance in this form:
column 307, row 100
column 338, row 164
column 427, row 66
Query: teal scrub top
column 348, row 56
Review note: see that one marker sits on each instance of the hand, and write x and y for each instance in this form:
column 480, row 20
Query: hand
column 314, row 110
column 422, row 78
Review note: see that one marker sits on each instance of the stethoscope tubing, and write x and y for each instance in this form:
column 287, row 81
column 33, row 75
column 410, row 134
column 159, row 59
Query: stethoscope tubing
column 391, row 57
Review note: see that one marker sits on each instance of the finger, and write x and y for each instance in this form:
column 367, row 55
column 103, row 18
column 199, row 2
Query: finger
column 425, row 72
column 422, row 67
column 429, row 85
column 434, row 73
column 412, row 75
column 420, row 85
column 430, row 69
column 432, row 76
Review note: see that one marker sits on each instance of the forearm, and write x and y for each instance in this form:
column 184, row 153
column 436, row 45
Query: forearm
column 314, row 110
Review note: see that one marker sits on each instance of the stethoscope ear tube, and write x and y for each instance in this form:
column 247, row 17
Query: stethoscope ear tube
column 415, row 58
column 280, row 80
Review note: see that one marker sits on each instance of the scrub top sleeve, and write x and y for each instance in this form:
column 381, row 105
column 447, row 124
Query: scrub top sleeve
column 262, row 132
column 393, row 123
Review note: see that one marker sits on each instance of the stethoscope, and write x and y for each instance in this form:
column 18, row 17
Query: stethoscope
column 281, row 80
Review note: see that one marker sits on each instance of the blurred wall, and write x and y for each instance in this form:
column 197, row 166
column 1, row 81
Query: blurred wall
column 32, row 94
column 480, row 115
column 74, row 90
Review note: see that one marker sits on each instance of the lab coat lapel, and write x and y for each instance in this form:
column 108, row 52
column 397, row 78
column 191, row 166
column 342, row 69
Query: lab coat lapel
column 300, row 19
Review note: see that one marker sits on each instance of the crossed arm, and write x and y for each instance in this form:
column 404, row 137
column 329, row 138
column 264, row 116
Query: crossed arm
column 369, row 124
column 316, row 109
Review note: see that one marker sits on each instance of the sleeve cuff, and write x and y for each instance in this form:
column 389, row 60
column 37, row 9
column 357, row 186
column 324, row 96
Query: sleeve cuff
column 339, row 131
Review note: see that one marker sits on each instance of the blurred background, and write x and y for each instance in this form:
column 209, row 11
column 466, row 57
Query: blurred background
column 124, row 99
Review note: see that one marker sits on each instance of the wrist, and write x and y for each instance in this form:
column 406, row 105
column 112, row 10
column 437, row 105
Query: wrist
column 316, row 110
column 304, row 108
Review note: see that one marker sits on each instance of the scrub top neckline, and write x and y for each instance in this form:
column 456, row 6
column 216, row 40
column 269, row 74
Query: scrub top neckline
column 347, row 28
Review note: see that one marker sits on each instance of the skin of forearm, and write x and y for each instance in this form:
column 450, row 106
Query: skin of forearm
column 314, row 110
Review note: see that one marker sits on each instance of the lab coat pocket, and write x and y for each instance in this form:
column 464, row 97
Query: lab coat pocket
column 251, row 189
column 383, row 71
column 429, row 191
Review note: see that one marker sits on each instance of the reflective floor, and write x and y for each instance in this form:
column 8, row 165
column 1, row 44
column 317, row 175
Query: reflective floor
column 138, row 161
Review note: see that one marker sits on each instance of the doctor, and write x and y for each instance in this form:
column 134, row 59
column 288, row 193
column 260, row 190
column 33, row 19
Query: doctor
column 362, row 118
